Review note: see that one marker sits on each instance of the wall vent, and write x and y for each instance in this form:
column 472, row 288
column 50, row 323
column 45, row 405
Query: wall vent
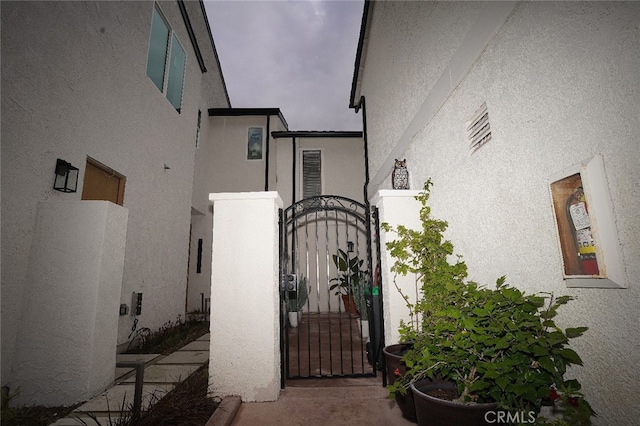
column 478, row 128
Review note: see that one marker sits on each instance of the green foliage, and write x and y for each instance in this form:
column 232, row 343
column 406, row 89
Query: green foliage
column 425, row 253
column 351, row 274
column 498, row 345
column 171, row 336
column 297, row 299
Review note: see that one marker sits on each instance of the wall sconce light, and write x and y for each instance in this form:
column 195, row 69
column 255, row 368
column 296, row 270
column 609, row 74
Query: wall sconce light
column 66, row 177
column 350, row 246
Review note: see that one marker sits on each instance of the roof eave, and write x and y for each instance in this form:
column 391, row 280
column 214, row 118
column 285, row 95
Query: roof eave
column 361, row 52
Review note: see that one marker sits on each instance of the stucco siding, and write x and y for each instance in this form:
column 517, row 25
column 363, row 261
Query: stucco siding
column 561, row 84
column 75, row 86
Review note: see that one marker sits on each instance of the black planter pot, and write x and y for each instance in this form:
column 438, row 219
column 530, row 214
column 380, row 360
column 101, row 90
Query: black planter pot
column 433, row 411
column 393, row 360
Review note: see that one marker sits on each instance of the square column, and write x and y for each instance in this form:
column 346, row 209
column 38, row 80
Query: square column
column 67, row 339
column 395, row 207
column 245, row 296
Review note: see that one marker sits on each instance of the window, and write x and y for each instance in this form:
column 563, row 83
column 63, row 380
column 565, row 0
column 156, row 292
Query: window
column 254, row 143
column 311, row 173
column 167, row 75
column 198, row 129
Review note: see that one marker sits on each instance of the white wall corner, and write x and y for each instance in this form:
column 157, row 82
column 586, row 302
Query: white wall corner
column 395, row 207
column 245, row 297
column 66, row 346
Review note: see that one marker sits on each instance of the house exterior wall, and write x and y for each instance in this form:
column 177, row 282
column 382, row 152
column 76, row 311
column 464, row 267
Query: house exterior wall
column 222, row 166
column 560, row 81
column 75, row 85
column 69, row 320
column 342, row 166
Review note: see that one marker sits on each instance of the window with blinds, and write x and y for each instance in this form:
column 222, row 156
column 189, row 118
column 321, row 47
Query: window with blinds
column 311, row 173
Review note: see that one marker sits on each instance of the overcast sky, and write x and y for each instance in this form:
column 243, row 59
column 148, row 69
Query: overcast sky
column 294, row 55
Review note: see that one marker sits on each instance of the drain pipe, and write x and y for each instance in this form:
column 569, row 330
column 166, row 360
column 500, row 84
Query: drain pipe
column 362, row 105
column 266, row 162
column 376, row 300
column 293, row 172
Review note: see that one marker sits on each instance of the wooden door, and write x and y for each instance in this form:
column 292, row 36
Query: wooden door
column 102, row 183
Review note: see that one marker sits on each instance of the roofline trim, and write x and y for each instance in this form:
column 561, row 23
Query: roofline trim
column 364, row 31
column 215, row 52
column 237, row 112
column 318, row 134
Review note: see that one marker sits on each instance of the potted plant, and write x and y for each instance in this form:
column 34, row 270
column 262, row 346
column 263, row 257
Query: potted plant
column 351, row 277
column 499, row 346
column 297, row 300
column 360, row 295
column 425, row 254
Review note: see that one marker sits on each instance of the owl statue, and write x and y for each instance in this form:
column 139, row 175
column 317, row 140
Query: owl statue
column 400, row 175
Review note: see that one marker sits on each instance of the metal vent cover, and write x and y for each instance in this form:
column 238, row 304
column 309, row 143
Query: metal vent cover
column 478, row 128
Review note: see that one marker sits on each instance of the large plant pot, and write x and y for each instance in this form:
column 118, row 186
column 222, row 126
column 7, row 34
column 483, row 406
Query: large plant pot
column 294, row 318
column 393, row 361
column 349, row 304
column 432, row 411
column 364, row 328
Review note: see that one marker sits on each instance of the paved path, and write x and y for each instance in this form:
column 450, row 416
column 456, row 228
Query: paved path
column 161, row 374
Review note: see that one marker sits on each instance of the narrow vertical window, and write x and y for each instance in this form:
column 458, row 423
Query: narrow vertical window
column 198, row 129
column 166, row 59
column 311, row 173
column 158, row 44
column 176, row 73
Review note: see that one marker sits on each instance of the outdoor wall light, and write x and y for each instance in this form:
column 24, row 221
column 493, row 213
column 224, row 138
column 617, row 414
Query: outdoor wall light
column 66, row 177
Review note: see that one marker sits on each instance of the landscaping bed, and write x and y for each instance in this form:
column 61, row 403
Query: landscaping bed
column 187, row 404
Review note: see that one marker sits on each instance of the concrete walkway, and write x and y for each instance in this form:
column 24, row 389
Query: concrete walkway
column 358, row 401
column 161, row 374
column 325, row 402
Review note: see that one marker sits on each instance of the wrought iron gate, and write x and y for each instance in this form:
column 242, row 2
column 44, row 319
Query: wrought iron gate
column 330, row 305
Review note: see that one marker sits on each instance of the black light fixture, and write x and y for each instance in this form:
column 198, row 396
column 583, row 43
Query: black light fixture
column 66, row 177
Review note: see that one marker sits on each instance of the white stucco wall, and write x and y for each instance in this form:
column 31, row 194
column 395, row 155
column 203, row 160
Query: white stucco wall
column 245, row 324
column 396, row 207
column 561, row 84
column 68, row 325
column 221, row 166
column 75, row 85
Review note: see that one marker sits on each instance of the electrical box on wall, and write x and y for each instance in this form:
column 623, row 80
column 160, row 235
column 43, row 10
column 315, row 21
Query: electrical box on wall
column 136, row 303
column 585, row 223
column 292, row 282
column 124, row 309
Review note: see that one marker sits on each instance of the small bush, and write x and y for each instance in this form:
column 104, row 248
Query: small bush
column 170, row 337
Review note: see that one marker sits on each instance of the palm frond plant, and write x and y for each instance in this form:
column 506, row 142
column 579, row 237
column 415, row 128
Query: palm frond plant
column 298, row 298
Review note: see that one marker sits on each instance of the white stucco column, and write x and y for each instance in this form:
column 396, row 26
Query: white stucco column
column 395, row 207
column 245, row 297
column 67, row 334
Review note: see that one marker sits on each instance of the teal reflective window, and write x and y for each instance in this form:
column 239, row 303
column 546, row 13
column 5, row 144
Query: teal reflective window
column 158, row 43
column 176, row 73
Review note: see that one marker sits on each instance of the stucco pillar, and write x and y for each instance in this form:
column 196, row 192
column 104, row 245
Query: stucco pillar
column 245, row 328
column 395, row 207
column 67, row 335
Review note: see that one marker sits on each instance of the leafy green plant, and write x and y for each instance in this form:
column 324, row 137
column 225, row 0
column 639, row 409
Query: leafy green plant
column 297, row 299
column 360, row 294
column 351, row 275
column 498, row 345
column 425, row 253
column 171, row 336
